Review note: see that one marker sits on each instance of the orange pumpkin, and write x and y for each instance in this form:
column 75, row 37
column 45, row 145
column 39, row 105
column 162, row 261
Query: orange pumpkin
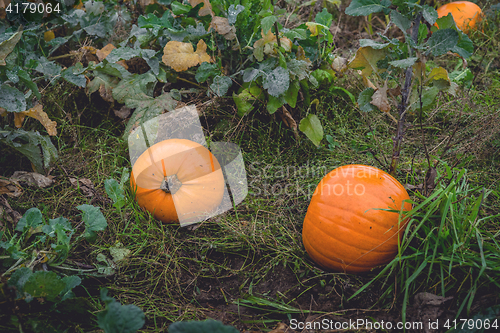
column 179, row 180
column 466, row 14
column 343, row 231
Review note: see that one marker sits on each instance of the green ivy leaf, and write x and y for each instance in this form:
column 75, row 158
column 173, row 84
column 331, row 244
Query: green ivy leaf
column 221, row 85
column 442, row 41
column 267, row 22
column 277, row 82
column 246, row 99
column 292, row 93
column 400, row 21
column 44, row 284
column 28, row 82
column 324, row 17
column 117, row 318
column 71, row 282
column 18, row 279
column 205, row 71
column 364, row 7
column 206, row 326
column 179, row 9
column 464, row 48
column 364, row 100
column 93, row 219
column 12, row 99
column 274, row 103
column 403, row 63
column 77, row 80
column 31, row 219
column 430, row 14
column 48, row 68
column 312, row 128
column 115, row 192
column 138, row 84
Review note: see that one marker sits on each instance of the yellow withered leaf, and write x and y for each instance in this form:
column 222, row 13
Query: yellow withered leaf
column 439, row 73
column 37, row 113
column 366, row 59
column 181, row 56
column 205, row 10
column 266, row 45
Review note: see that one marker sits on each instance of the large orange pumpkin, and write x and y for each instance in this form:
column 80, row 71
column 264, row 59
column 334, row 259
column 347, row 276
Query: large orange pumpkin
column 466, row 14
column 179, row 180
column 343, row 231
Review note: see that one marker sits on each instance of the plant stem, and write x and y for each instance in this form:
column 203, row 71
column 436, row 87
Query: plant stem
column 276, row 31
column 405, row 93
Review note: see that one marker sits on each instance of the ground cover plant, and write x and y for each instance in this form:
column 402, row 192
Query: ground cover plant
column 298, row 86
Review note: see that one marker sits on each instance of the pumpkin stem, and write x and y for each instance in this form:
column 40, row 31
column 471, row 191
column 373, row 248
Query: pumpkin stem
column 170, row 184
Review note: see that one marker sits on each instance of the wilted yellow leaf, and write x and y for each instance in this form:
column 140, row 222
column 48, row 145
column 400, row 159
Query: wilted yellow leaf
column 439, row 73
column 315, row 28
column 205, row 10
column 3, row 112
column 266, row 45
column 366, row 59
column 221, row 25
column 419, row 69
column 37, row 113
column 105, row 51
column 181, row 56
column 48, row 35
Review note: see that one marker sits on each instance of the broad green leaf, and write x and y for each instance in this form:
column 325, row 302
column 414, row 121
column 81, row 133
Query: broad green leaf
column 400, row 21
column 205, row 71
column 233, row 12
column 430, row 14
column 138, row 84
column 277, row 82
column 464, row 48
column 322, row 76
column 117, row 318
column 18, row 279
column 267, row 22
column 296, row 33
column 366, row 59
column 48, row 68
column 179, row 9
column 8, row 45
column 49, row 151
column 31, row 219
column 428, row 96
column 28, row 82
column 93, row 219
column 220, row 85
column 364, row 7
column 112, row 69
column 364, row 100
column 404, row 63
column 71, row 282
column 147, row 108
column 299, row 69
column 462, row 75
column 44, row 284
column 207, row 326
column 292, row 93
column 445, row 22
column 115, row 192
column 442, row 41
column 312, row 128
column 274, row 103
column 77, row 80
column 373, row 44
column 27, row 143
column 11, row 99
column 246, row 99
column 324, row 18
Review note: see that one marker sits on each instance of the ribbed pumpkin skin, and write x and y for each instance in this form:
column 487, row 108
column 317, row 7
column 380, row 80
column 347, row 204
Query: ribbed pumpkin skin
column 466, row 14
column 342, row 231
column 195, row 167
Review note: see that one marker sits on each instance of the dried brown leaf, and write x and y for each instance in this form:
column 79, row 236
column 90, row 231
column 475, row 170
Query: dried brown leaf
column 181, row 56
column 123, row 113
column 380, row 100
column 289, row 121
column 32, row 179
column 222, row 26
column 83, row 184
column 10, row 187
column 106, row 93
column 205, row 10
